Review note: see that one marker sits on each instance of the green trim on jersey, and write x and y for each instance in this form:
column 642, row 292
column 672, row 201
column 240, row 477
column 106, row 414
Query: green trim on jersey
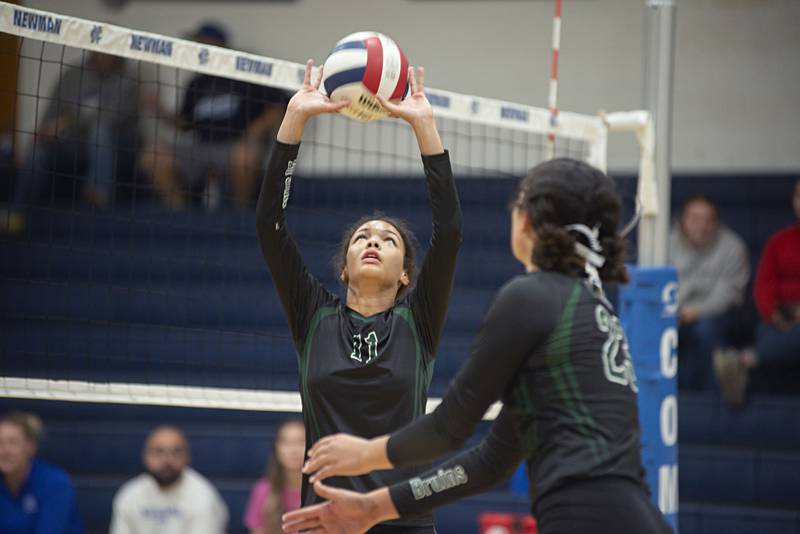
column 563, row 374
column 423, row 375
column 319, row 315
column 355, row 315
column 523, row 398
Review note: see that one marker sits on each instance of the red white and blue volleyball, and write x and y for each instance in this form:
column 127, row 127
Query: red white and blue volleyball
column 362, row 65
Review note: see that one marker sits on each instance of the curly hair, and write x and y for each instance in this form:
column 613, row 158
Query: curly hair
column 565, row 191
column 409, row 240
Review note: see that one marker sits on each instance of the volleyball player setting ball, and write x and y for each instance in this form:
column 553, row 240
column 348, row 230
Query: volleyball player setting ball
column 552, row 349
column 366, row 361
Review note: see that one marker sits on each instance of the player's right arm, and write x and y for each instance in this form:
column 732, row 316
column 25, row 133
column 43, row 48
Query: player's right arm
column 298, row 290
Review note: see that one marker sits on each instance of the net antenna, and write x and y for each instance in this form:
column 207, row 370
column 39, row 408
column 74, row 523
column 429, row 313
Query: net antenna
column 552, row 99
column 638, row 122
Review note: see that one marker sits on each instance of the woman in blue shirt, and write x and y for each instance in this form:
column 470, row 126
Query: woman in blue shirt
column 35, row 497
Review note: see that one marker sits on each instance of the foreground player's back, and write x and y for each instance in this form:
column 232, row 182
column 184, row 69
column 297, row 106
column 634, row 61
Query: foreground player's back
column 575, row 395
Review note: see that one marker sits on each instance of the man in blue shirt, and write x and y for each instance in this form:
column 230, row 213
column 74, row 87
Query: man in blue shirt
column 35, row 497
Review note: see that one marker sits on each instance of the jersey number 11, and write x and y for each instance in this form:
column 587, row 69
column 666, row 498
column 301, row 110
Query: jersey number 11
column 371, row 340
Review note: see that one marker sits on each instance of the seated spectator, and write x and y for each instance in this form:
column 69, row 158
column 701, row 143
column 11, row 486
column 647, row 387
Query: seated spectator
column 89, row 108
column 225, row 127
column 35, row 497
column 777, row 296
column 170, row 497
column 279, row 491
column 713, row 270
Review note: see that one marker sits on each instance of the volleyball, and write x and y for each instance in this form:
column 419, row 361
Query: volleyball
column 362, row 65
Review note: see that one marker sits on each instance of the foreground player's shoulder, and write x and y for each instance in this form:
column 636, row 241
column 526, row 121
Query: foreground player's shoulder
column 531, row 292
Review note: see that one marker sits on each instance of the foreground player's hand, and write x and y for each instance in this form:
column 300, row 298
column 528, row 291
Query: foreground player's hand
column 345, row 455
column 345, row 512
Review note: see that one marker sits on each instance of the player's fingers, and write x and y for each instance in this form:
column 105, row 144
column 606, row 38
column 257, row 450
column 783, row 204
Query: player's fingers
column 336, row 106
column 412, row 80
column 320, row 445
column 302, row 513
column 328, row 492
column 314, row 464
column 420, row 79
column 323, row 473
column 305, row 525
column 318, row 79
column 307, row 75
column 327, row 440
column 307, row 518
column 394, row 109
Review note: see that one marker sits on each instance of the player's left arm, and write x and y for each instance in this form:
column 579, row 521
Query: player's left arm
column 431, row 296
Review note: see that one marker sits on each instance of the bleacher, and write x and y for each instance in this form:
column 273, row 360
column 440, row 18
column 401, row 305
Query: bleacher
column 137, row 294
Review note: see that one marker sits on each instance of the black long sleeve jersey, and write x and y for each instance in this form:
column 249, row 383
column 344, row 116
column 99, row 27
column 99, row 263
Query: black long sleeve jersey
column 553, row 350
column 366, row 376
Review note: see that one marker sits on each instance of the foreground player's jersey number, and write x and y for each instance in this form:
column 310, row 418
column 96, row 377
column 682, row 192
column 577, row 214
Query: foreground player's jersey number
column 618, row 372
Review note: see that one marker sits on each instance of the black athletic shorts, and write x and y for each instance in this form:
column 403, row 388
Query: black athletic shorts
column 605, row 505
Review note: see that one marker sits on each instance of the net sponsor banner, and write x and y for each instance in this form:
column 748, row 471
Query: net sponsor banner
column 169, row 395
column 648, row 315
column 197, row 57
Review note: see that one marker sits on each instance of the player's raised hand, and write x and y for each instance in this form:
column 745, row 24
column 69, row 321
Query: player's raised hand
column 417, row 111
column 415, row 108
column 308, row 100
column 306, row 103
column 344, row 512
column 345, row 455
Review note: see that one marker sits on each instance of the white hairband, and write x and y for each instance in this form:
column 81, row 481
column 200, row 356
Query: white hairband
column 591, row 255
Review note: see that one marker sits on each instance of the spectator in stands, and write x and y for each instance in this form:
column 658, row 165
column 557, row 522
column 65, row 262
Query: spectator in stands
column 88, row 109
column 279, row 491
column 225, row 127
column 713, row 270
column 777, row 296
column 35, row 497
column 171, row 497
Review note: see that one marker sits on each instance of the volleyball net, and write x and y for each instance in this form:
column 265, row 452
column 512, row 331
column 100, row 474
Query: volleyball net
column 131, row 271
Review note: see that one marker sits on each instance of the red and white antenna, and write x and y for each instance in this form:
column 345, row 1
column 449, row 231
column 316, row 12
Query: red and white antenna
column 552, row 101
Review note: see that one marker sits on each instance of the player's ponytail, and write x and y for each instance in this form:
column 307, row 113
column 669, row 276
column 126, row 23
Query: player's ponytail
column 575, row 211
